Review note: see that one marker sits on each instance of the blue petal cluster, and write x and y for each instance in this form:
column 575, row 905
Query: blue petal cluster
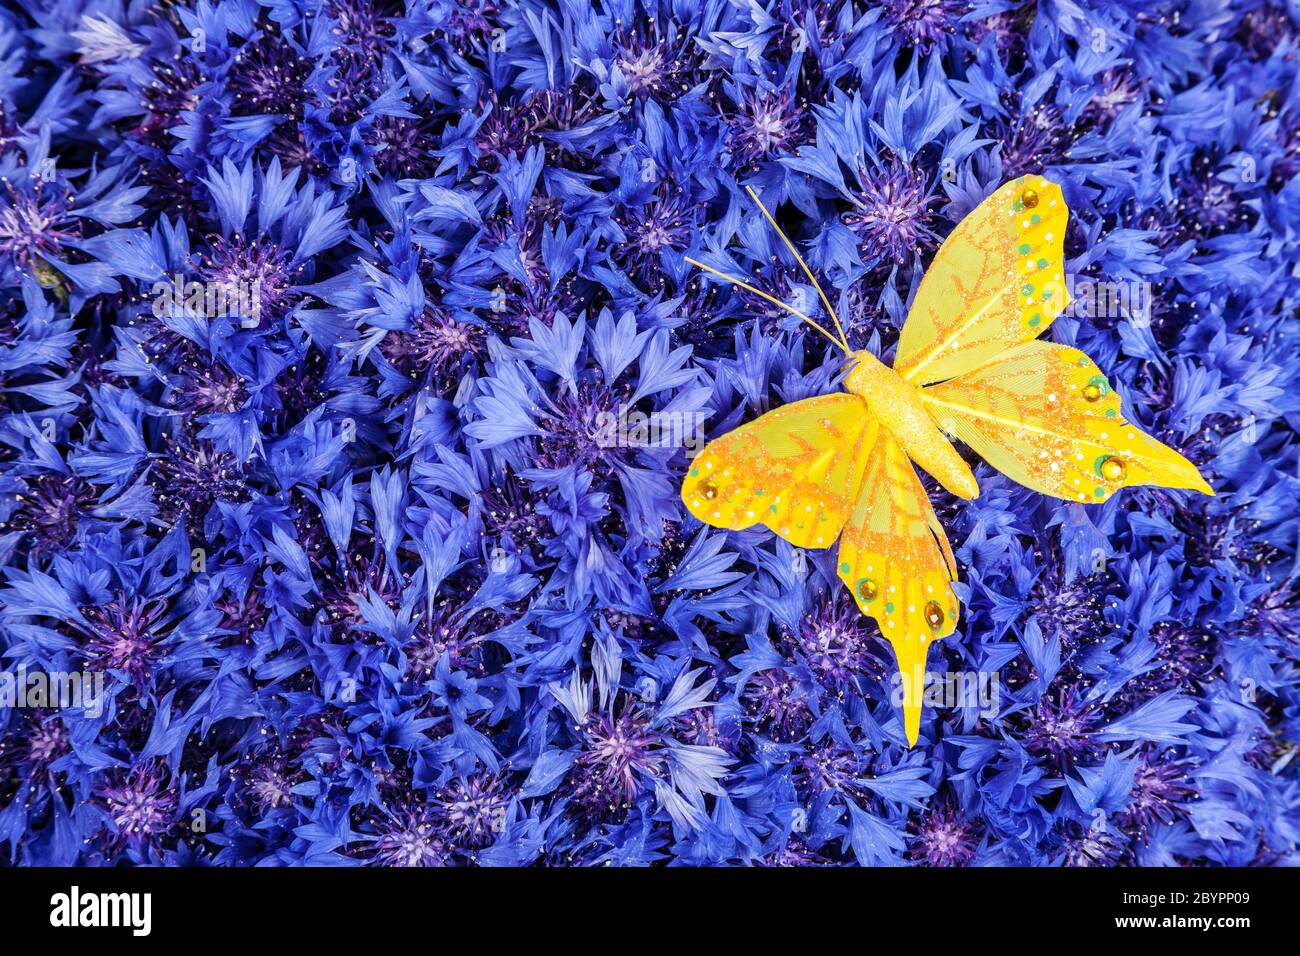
column 382, row 560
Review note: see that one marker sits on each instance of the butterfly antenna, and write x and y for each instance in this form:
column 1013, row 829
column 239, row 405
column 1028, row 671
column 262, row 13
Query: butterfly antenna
column 774, row 300
column 844, row 342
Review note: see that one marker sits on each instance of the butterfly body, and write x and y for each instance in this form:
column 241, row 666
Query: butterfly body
column 969, row 363
column 899, row 406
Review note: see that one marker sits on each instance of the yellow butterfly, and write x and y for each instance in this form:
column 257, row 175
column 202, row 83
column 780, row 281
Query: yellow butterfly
column 968, row 365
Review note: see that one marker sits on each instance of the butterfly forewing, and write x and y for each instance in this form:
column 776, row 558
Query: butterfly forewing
column 998, row 280
column 895, row 559
column 1045, row 416
column 795, row 470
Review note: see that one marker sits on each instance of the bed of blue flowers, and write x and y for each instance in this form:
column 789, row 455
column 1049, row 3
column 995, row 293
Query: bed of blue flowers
column 361, row 571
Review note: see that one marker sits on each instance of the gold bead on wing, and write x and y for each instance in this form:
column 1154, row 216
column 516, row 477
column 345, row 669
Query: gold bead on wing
column 933, row 615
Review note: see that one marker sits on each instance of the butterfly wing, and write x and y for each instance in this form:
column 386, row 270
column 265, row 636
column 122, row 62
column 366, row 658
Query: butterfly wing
column 997, row 281
column 896, row 561
column 795, row 470
column 1044, row 415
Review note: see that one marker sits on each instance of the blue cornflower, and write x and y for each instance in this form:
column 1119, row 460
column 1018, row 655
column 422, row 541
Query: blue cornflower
column 394, row 570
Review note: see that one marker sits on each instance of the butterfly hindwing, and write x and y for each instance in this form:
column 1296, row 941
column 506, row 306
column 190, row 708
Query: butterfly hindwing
column 795, row 470
column 997, row 281
column 896, row 561
column 1045, row 416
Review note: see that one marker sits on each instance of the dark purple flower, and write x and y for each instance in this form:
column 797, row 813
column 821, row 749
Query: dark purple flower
column 1210, row 205
column 35, row 224
column 943, row 837
column 767, row 126
column 408, row 837
column 838, row 646
column 619, row 753
column 924, row 24
column 826, row 767
column 1061, row 730
column 779, row 705
column 268, row 75
column 1073, row 610
column 49, row 510
column 266, row 271
column 1161, row 793
column 437, row 348
column 141, row 805
column 473, row 810
column 891, row 214
column 660, row 226
column 267, row 781
column 125, row 635
column 1094, row 847
column 404, row 146
column 191, row 476
column 1031, row 141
